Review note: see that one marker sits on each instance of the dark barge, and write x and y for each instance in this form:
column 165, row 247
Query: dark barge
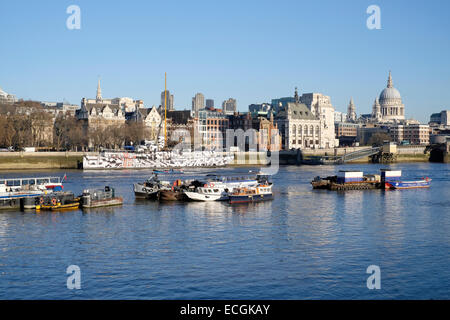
column 348, row 180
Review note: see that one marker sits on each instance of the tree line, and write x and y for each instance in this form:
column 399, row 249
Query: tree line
column 28, row 124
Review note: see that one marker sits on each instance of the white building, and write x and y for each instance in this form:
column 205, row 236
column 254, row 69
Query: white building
column 391, row 105
column 107, row 108
column 299, row 127
column 321, row 107
column 128, row 104
column 57, row 108
column 6, row 97
column 340, row 116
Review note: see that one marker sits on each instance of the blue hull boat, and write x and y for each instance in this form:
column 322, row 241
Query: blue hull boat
column 250, row 198
column 425, row 183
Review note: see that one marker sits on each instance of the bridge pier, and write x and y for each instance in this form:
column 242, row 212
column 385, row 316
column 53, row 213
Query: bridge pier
column 384, row 157
column 440, row 152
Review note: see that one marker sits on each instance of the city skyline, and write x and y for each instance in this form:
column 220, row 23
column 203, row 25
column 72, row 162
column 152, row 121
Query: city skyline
column 198, row 102
column 266, row 61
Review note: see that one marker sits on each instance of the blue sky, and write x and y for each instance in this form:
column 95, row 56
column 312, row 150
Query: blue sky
column 250, row 50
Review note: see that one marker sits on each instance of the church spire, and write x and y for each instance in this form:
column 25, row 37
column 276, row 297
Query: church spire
column 351, row 111
column 99, row 91
column 390, row 84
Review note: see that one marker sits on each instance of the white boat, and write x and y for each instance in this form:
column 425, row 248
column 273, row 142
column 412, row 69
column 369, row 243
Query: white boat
column 17, row 194
column 33, row 184
column 11, row 199
column 209, row 193
column 219, row 189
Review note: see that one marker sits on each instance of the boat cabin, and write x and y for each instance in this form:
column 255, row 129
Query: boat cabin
column 210, row 191
column 261, row 189
column 53, row 183
column 390, row 175
column 346, row 176
column 100, row 194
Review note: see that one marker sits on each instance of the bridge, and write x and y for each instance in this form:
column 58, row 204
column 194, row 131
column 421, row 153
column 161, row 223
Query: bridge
column 343, row 158
column 359, row 154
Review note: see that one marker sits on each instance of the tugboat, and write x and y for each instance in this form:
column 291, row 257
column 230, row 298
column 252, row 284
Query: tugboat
column 100, row 198
column 262, row 192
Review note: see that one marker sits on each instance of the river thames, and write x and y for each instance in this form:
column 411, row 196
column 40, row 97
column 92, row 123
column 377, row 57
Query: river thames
column 305, row 244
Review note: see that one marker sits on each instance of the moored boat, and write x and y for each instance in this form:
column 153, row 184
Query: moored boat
column 58, row 201
column 33, row 184
column 262, row 192
column 172, row 195
column 150, row 188
column 68, row 206
column 100, row 198
column 347, row 180
column 60, row 206
column 157, row 159
column 24, row 193
column 209, row 193
column 219, row 188
column 418, row 184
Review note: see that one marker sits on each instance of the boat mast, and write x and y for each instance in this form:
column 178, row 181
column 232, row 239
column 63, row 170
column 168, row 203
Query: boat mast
column 165, row 109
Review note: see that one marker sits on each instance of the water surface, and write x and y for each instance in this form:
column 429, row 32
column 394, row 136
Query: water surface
column 305, row 244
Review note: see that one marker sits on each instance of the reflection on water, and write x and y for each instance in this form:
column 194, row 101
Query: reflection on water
column 304, row 244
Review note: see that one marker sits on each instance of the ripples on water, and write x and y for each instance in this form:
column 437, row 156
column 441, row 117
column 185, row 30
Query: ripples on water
column 303, row 245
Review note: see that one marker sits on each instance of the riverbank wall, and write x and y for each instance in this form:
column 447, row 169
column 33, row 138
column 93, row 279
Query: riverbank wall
column 295, row 157
column 74, row 160
column 404, row 154
column 40, row 160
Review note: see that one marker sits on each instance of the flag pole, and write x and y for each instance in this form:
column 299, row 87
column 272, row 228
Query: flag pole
column 165, row 109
